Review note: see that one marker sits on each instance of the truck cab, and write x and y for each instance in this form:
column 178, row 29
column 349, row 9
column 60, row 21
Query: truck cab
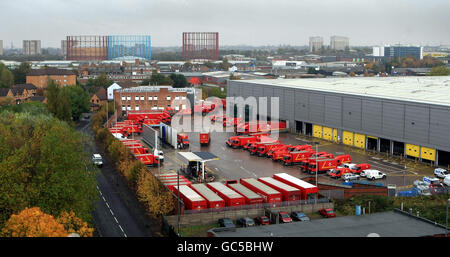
column 183, row 141
column 97, row 160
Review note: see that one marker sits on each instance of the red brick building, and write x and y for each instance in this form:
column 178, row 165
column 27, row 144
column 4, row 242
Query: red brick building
column 40, row 77
column 20, row 92
column 152, row 98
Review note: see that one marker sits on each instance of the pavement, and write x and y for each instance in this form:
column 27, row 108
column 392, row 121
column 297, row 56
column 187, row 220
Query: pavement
column 237, row 163
column 117, row 213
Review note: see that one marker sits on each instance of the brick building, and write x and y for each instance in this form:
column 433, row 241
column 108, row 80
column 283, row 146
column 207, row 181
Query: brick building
column 20, row 92
column 98, row 99
column 40, row 77
column 153, row 98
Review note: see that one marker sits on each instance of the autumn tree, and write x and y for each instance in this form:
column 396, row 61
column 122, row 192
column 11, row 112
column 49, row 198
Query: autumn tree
column 73, row 224
column 152, row 193
column 32, row 222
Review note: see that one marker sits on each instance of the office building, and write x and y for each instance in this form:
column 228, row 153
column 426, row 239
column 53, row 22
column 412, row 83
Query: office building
column 339, row 43
column 315, row 43
column 399, row 51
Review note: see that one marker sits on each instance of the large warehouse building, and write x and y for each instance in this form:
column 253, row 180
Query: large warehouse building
column 407, row 116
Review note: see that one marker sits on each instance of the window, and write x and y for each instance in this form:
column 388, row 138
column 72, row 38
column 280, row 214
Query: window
column 129, row 98
column 123, row 98
column 161, row 108
column 168, row 97
column 183, row 98
column 177, row 108
column 177, row 98
column 155, row 98
column 129, row 107
column 183, row 107
column 136, row 98
column 124, row 107
column 136, row 107
column 142, row 98
column 150, row 98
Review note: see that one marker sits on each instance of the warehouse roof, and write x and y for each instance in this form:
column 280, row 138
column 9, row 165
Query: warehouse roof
column 428, row 90
column 384, row 224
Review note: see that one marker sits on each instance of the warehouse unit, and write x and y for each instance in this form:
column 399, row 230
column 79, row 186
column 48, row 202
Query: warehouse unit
column 232, row 198
column 191, row 200
column 309, row 191
column 269, row 194
column 405, row 116
column 214, row 201
column 289, row 193
column 250, row 196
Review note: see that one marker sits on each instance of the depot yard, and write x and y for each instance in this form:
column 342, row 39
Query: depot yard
column 238, row 163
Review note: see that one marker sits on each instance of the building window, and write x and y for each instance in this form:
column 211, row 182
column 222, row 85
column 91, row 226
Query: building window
column 136, row 107
column 177, row 98
column 183, row 98
column 183, row 107
column 129, row 107
column 155, row 98
column 136, row 98
column 177, row 108
column 142, row 98
column 124, row 107
column 168, row 97
column 150, row 98
column 129, row 98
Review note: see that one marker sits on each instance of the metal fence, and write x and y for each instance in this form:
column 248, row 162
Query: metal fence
column 259, row 206
column 335, row 194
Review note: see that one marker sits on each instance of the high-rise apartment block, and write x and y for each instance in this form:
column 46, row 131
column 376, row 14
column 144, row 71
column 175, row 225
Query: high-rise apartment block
column 31, row 47
column 339, row 43
column 315, row 43
column 1, row 47
column 64, row 48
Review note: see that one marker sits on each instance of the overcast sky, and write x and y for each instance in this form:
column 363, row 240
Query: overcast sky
column 248, row 22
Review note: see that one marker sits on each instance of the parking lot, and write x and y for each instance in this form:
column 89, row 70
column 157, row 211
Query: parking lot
column 238, row 163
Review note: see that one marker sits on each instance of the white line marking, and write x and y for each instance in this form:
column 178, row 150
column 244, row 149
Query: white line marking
column 116, row 220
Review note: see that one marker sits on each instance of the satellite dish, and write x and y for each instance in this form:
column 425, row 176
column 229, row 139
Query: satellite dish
column 373, row 235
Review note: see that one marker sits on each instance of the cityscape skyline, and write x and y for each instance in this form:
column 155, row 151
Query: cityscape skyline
column 404, row 22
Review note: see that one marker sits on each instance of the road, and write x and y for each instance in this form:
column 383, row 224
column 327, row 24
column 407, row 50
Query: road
column 112, row 217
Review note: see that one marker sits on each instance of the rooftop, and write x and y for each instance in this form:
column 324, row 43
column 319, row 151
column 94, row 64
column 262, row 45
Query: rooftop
column 49, row 71
column 385, row 224
column 429, row 90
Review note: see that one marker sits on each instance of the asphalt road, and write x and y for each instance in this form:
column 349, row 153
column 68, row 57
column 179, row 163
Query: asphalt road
column 112, row 217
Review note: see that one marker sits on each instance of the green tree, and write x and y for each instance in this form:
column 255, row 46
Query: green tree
column 43, row 164
column 6, row 78
column 20, row 73
column 79, row 100
column 157, row 79
column 179, row 80
column 52, row 96
column 63, row 108
column 440, row 71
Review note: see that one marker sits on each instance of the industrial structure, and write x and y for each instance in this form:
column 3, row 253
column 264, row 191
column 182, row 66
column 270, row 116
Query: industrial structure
column 404, row 116
column 201, row 45
column 98, row 48
column 31, row 47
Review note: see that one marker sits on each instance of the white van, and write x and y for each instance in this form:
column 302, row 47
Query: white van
column 374, row 174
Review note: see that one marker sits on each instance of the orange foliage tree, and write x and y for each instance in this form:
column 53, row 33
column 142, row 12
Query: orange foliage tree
column 73, row 224
column 32, row 222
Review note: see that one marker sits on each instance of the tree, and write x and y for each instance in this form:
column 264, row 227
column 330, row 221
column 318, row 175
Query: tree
column 43, row 163
column 6, row 78
column 157, row 79
column 63, row 108
column 32, row 222
column 157, row 200
column 440, row 71
column 52, row 96
column 79, row 100
column 73, row 224
column 20, row 73
column 179, row 80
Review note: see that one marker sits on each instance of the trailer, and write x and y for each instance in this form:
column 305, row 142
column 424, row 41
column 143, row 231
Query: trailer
column 214, row 201
column 308, row 190
column 170, row 185
column 289, row 193
column 231, row 197
column 269, row 194
column 250, row 196
column 191, row 199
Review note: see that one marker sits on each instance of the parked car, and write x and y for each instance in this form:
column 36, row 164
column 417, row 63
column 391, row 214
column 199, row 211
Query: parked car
column 97, row 159
column 299, row 216
column 226, row 223
column 374, row 174
column 262, row 220
column 284, row 217
column 245, row 222
column 327, row 213
column 440, row 173
column 431, row 181
column 447, row 180
column 349, row 176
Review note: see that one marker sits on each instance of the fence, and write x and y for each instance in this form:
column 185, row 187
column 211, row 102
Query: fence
column 335, row 194
column 261, row 206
